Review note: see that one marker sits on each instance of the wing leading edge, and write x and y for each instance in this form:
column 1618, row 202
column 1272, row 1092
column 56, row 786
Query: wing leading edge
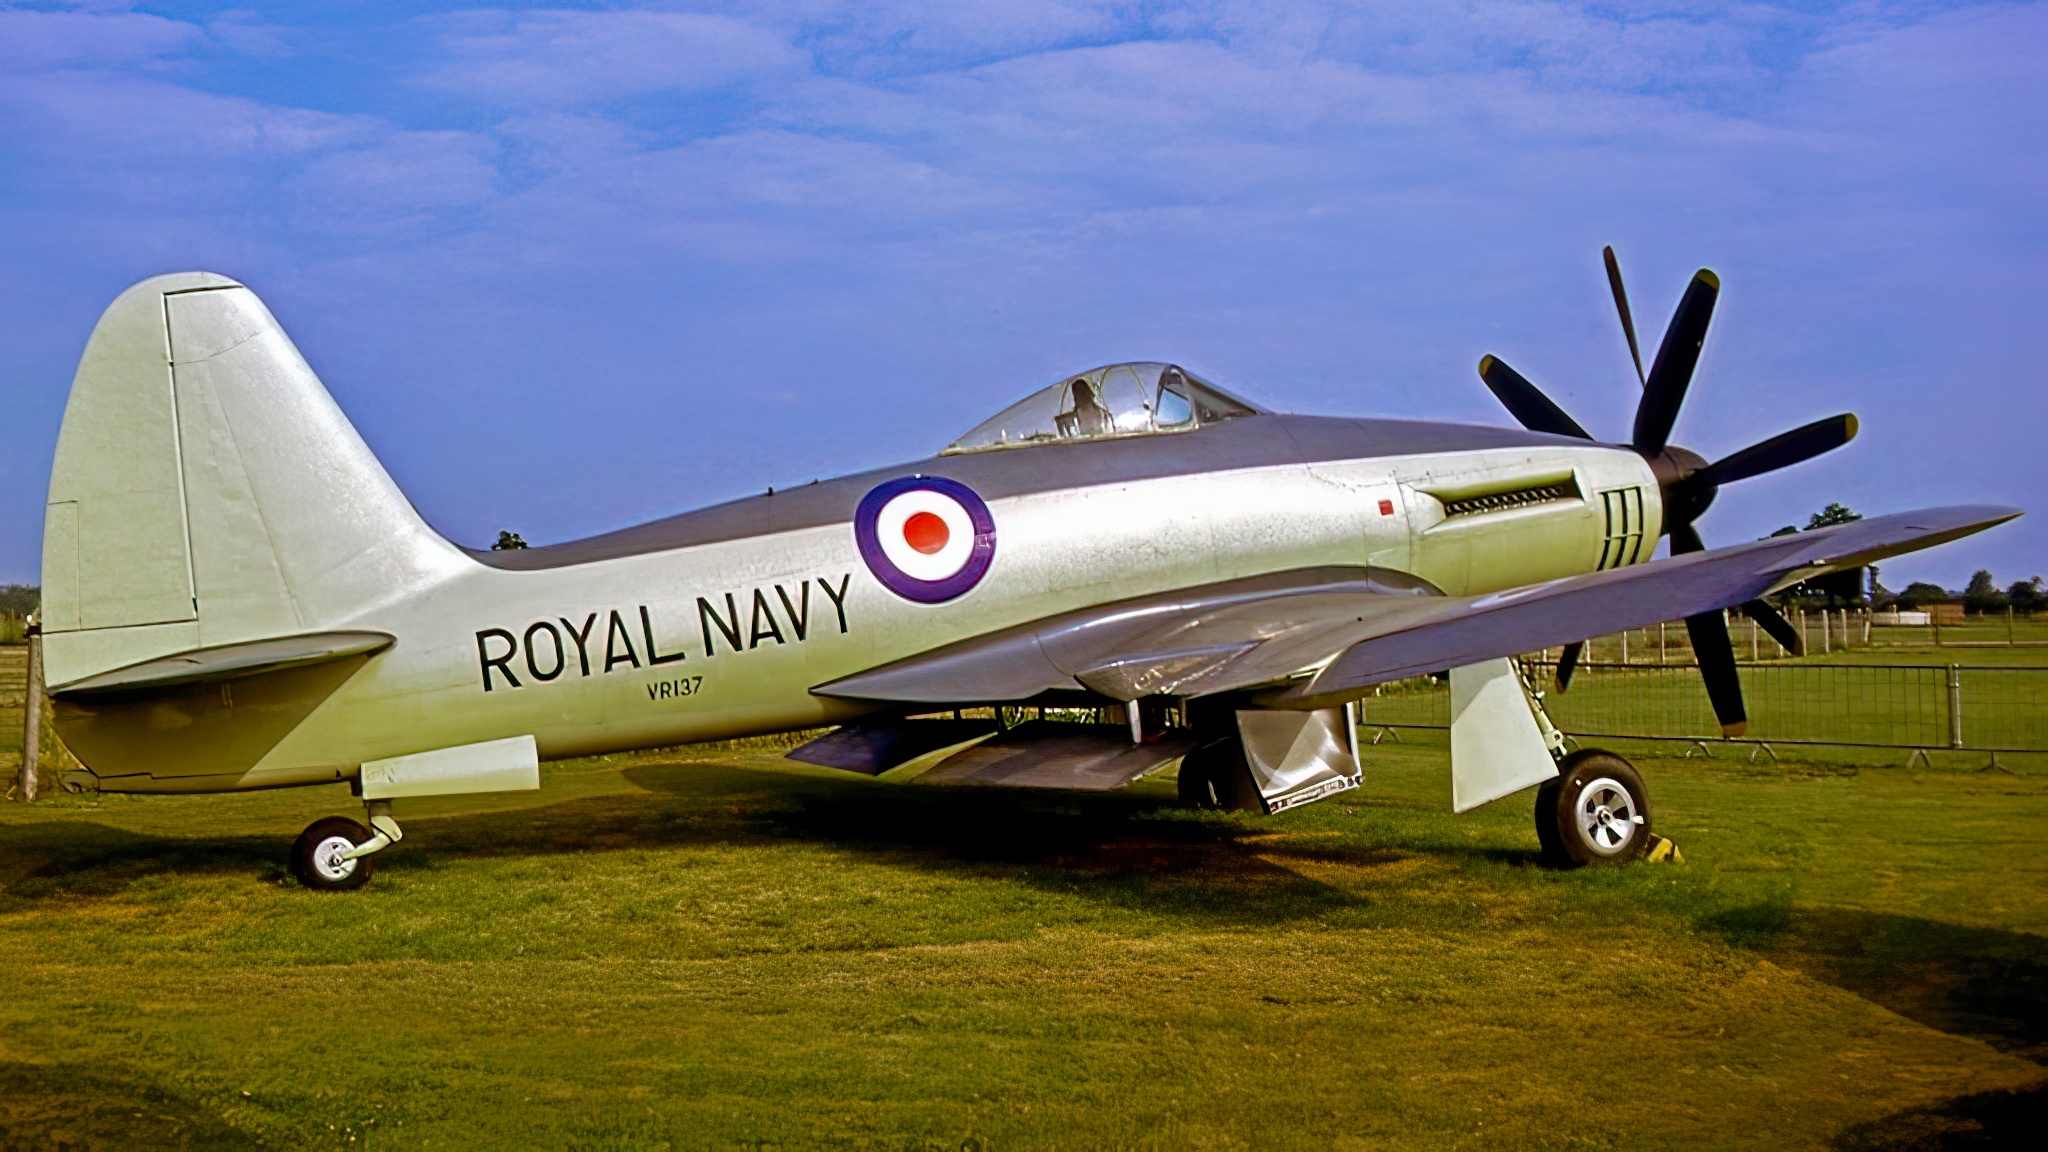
column 1327, row 632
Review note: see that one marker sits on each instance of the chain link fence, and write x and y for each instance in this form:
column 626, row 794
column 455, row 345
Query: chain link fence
column 1934, row 706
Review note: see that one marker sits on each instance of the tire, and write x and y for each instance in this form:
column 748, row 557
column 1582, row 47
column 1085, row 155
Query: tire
column 1216, row 776
column 1596, row 811
column 314, row 847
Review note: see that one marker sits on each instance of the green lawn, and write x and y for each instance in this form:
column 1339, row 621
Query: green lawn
column 712, row 950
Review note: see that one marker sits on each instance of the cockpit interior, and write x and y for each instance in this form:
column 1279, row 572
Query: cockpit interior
column 1138, row 399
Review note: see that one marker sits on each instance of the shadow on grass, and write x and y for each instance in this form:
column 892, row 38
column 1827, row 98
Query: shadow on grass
column 2008, row 1119
column 1979, row 982
column 72, row 858
column 1126, row 847
column 56, row 1107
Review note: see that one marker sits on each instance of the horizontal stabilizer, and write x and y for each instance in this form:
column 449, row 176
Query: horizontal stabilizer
column 228, row 662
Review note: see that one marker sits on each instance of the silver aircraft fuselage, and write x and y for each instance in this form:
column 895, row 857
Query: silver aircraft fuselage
column 719, row 623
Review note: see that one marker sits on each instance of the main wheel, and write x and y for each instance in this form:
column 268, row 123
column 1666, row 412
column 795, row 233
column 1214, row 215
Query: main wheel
column 317, row 855
column 1216, row 775
column 1596, row 811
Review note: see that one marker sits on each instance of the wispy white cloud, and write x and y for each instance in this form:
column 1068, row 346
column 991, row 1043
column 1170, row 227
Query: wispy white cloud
column 552, row 59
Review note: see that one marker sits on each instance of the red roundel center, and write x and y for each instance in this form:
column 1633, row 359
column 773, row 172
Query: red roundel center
column 925, row 532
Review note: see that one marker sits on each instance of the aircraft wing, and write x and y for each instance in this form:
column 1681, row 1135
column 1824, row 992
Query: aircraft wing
column 1324, row 632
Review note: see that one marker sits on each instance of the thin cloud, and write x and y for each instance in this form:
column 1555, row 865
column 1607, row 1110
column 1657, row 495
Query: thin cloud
column 559, row 59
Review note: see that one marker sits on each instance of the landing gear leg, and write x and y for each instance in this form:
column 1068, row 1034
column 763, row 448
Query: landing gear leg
column 1596, row 811
column 334, row 854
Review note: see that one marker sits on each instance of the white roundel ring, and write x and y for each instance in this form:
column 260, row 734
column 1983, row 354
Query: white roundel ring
column 926, row 538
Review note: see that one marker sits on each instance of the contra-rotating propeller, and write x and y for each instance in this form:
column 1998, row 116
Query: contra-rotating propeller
column 1687, row 481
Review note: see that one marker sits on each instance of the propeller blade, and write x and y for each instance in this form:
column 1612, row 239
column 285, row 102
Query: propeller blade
column 1774, row 623
column 1568, row 663
column 1677, row 356
column 1628, row 323
column 1715, row 655
column 1686, row 538
column 1782, row 451
column 1525, row 402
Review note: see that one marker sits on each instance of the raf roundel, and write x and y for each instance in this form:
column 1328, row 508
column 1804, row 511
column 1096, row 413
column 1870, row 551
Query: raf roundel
column 925, row 538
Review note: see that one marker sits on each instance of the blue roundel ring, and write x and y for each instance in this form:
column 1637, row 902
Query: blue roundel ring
column 926, row 538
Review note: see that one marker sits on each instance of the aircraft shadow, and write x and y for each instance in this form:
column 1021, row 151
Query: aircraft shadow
column 71, row 858
column 58, row 1106
column 1985, row 983
column 1123, row 847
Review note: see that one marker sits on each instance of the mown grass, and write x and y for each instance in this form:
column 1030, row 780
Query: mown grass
column 711, row 949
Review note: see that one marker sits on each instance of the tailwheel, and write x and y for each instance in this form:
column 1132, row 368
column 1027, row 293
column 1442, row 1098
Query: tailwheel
column 1217, row 775
column 1596, row 811
column 320, row 856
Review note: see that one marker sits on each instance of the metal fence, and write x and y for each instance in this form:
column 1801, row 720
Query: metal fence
column 1890, row 706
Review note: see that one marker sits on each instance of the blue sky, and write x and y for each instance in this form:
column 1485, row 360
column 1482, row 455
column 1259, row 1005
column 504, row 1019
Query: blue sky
column 574, row 267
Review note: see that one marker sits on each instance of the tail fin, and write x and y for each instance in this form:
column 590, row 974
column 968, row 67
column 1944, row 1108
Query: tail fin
column 207, row 490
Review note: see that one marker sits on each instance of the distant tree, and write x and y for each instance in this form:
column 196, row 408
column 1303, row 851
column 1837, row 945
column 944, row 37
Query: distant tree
column 1982, row 594
column 1831, row 515
column 1919, row 594
column 19, row 599
column 2027, row 595
column 1836, row 588
column 508, row 542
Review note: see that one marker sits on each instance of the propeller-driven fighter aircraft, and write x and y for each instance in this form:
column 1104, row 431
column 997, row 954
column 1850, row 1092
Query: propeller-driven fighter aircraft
column 237, row 596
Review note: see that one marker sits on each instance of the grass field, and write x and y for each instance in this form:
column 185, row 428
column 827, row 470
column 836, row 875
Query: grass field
column 713, row 950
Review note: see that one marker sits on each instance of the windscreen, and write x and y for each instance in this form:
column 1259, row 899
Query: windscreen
column 1115, row 400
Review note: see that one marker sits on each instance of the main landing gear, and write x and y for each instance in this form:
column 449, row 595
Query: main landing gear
column 1595, row 811
column 334, row 854
column 1217, row 775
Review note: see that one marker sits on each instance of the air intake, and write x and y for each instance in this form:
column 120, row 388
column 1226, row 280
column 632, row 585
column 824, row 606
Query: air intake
column 1501, row 500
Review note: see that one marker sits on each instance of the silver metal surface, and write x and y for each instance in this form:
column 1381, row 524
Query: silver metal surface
column 334, row 859
column 1606, row 816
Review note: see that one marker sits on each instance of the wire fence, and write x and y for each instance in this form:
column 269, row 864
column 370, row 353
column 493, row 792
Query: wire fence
column 1956, row 706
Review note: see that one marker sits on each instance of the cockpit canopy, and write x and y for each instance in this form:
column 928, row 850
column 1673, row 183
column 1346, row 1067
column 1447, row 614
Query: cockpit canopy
column 1114, row 400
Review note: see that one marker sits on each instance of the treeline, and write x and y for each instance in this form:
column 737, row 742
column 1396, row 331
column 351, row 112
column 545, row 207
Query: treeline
column 1982, row 594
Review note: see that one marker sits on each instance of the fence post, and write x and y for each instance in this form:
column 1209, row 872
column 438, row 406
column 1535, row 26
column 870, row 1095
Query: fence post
column 1955, row 706
column 32, row 713
column 2008, row 625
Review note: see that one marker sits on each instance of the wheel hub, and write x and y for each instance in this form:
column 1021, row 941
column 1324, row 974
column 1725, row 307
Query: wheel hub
column 331, row 859
column 1607, row 816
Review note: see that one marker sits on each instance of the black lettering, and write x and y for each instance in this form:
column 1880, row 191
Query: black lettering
column 763, row 612
column 654, row 656
column 561, row 657
column 582, row 639
column 483, row 655
column 651, row 695
column 799, row 621
column 614, row 632
column 838, row 598
column 728, row 625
